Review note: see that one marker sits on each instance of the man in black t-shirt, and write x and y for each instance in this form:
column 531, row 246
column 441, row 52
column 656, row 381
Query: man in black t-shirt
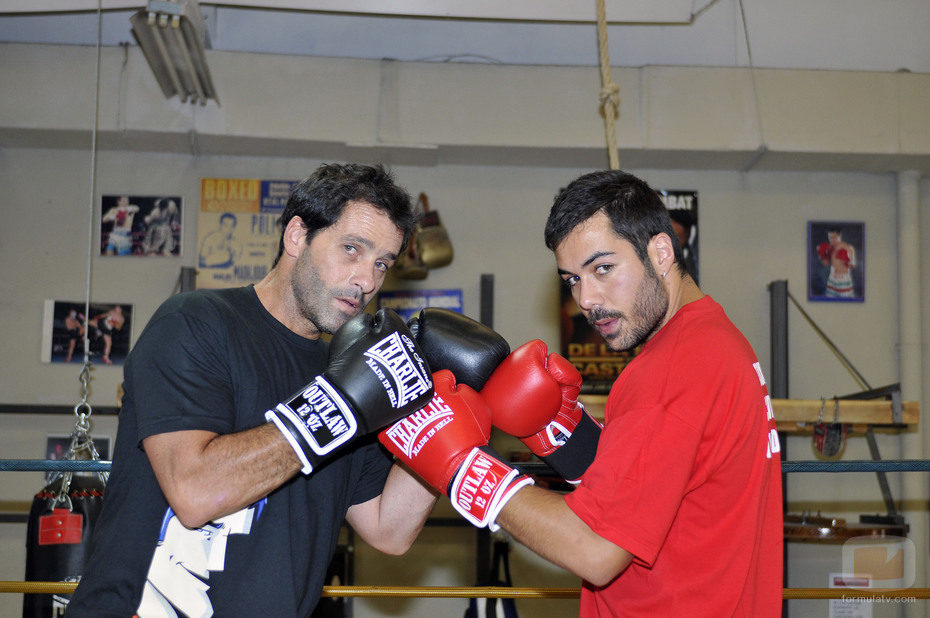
column 225, row 497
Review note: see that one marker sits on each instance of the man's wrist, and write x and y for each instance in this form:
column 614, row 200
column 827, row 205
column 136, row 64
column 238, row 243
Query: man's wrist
column 482, row 486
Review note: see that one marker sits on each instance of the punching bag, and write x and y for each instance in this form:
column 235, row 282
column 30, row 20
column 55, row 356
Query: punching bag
column 61, row 519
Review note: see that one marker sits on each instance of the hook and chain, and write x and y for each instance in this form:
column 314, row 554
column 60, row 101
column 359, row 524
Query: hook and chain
column 82, row 445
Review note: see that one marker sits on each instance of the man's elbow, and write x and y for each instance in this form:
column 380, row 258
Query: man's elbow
column 600, row 571
column 396, row 545
column 193, row 509
column 191, row 516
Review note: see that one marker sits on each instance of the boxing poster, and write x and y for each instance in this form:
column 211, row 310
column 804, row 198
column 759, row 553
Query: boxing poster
column 238, row 229
column 107, row 326
column 836, row 261
column 140, row 225
column 582, row 345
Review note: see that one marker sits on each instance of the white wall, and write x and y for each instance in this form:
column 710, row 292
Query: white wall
column 753, row 231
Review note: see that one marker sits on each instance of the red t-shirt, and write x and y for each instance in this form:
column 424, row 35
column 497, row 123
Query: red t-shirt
column 687, row 478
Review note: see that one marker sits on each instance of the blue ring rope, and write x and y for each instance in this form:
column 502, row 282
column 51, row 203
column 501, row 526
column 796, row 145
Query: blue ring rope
column 59, row 465
column 890, row 465
column 857, row 465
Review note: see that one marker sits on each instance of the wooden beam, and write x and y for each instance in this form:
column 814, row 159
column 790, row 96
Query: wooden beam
column 790, row 412
column 870, row 412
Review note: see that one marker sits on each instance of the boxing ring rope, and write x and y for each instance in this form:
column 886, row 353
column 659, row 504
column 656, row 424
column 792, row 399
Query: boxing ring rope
column 497, row 592
column 852, row 465
column 459, row 592
column 53, row 465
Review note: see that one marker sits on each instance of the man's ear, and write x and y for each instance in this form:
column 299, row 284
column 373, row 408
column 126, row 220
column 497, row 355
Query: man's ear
column 295, row 234
column 662, row 253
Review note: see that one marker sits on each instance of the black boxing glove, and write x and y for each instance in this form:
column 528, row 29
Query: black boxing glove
column 467, row 348
column 376, row 376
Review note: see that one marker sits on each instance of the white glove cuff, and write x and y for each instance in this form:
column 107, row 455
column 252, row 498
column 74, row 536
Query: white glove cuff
column 481, row 487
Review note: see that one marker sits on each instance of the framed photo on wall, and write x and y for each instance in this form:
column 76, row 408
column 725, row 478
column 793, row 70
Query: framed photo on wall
column 108, row 328
column 140, row 225
column 836, row 261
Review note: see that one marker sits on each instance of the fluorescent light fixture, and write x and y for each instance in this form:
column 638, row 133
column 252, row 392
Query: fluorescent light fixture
column 172, row 36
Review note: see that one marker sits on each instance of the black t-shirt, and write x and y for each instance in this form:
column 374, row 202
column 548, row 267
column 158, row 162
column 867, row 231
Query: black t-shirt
column 216, row 360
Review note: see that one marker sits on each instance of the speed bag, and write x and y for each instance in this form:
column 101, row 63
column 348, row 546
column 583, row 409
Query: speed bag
column 57, row 539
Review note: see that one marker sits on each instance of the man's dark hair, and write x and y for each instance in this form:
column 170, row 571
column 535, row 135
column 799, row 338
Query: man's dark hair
column 633, row 207
column 320, row 199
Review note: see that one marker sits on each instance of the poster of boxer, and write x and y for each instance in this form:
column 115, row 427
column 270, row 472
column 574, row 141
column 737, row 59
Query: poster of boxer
column 237, row 229
column 108, row 329
column 836, row 261
column 140, row 225
column 581, row 343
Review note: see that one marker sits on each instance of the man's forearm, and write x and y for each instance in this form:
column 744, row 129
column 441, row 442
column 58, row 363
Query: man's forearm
column 541, row 520
column 205, row 476
column 392, row 521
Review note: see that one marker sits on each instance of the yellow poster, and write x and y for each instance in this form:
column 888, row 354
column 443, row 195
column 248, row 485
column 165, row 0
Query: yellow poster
column 238, row 229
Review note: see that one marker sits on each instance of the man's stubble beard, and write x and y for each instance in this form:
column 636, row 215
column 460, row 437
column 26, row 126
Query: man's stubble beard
column 313, row 298
column 649, row 307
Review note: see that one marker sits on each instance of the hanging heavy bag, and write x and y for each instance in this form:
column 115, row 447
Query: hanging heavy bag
column 433, row 244
column 62, row 516
column 495, row 608
column 830, row 438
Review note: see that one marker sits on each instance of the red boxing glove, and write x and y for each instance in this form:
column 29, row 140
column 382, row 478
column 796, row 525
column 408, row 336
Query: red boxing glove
column 535, row 397
column 823, row 251
column 445, row 443
column 843, row 256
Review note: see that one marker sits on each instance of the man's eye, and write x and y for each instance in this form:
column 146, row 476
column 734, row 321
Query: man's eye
column 603, row 269
column 350, row 249
column 382, row 266
column 570, row 282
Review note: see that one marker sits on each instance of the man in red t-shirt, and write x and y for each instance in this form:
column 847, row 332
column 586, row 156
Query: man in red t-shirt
column 677, row 509
column 680, row 512
column 686, row 478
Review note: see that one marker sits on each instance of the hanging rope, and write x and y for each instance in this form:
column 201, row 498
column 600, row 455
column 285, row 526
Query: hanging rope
column 80, row 437
column 610, row 92
column 85, row 369
column 93, row 191
column 762, row 149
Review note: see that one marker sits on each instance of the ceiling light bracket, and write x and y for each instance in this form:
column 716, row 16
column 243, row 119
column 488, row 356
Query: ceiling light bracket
column 173, row 38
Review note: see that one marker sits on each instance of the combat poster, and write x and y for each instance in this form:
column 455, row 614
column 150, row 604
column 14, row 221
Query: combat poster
column 140, row 225
column 106, row 328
